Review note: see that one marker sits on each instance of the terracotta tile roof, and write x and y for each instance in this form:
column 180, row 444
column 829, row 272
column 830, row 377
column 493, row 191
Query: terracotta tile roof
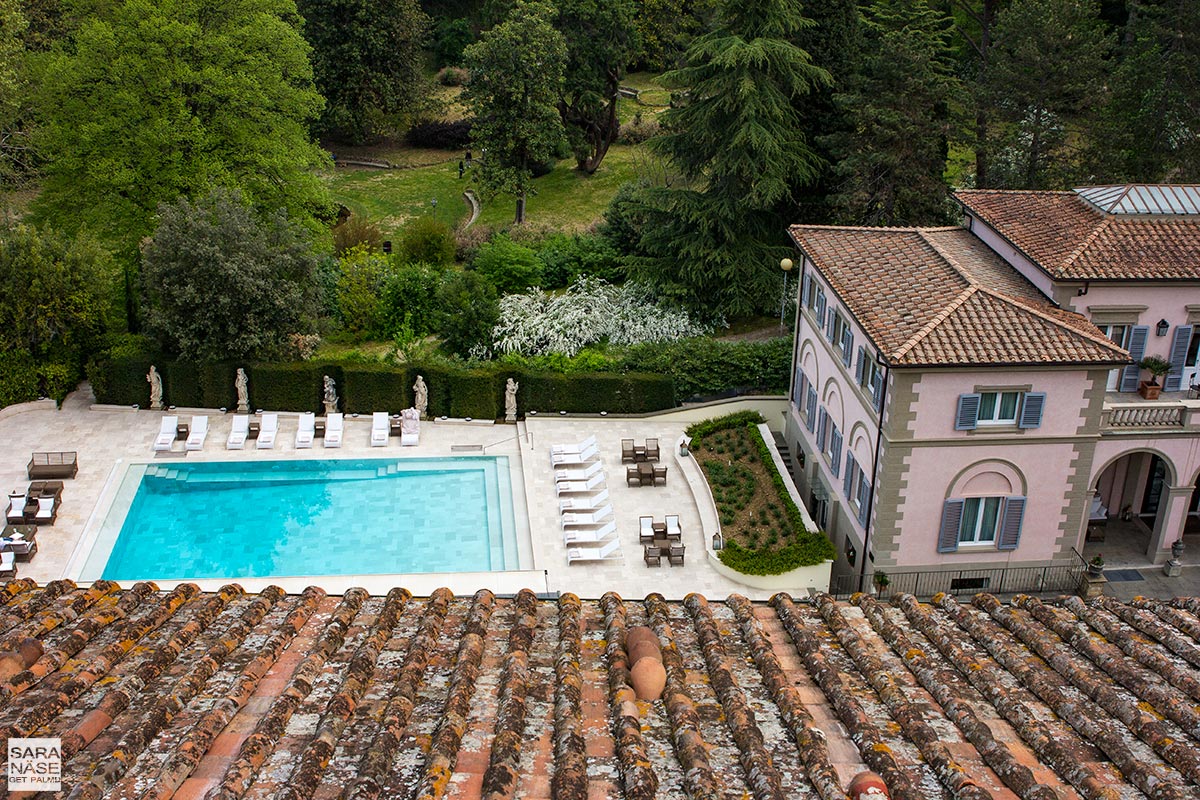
column 940, row 296
column 227, row 695
column 1071, row 239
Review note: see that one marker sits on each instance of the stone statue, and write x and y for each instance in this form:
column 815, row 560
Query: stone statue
column 155, row 381
column 510, row 400
column 421, row 397
column 242, row 384
column 331, row 398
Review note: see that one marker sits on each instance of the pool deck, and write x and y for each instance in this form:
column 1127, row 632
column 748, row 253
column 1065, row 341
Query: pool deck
column 108, row 438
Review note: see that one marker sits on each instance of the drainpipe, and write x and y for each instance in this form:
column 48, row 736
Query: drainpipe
column 868, row 528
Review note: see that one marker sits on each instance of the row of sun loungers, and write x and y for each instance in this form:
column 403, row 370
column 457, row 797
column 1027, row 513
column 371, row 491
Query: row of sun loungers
column 268, row 431
column 588, row 529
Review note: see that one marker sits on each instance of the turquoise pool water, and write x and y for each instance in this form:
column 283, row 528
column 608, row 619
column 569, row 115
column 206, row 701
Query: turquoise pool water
column 309, row 517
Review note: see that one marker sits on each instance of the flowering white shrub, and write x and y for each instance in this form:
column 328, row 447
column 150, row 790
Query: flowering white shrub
column 590, row 311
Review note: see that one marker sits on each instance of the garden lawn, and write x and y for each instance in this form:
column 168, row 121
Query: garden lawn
column 565, row 199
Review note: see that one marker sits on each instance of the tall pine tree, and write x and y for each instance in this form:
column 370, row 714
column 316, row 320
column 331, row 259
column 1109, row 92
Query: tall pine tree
column 1046, row 79
column 1148, row 132
column 891, row 158
column 736, row 138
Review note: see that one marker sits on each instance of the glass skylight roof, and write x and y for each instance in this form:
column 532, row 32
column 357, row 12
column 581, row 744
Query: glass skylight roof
column 1141, row 198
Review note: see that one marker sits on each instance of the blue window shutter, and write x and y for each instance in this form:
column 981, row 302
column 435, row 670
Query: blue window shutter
column 952, row 514
column 821, row 416
column 847, row 345
column 877, row 389
column 820, row 307
column 858, row 365
column 806, row 290
column 811, row 403
column 848, row 481
column 1031, row 410
column 835, row 451
column 829, row 327
column 1179, row 348
column 968, row 412
column 1010, row 525
column 1137, row 349
column 864, row 494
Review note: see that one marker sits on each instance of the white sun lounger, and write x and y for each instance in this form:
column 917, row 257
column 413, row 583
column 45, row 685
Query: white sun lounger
column 573, row 448
column 166, row 433
column 198, row 433
column 583, row 536
column 573, row 520
column 305, row 430
column 237, row 436
column 267, row 432
column 379, row 429
column 578, row 474
column 604, row 553
column 571, row 487
column 584, row 503
column 568, row 459
column 333, row 429
column 410, row 427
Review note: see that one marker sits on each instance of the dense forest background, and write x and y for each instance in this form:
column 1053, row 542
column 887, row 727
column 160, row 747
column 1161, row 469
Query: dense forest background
column 167, row 167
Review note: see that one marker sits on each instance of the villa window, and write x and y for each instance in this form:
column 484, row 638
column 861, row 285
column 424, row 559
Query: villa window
column 799, row 390
column 869, row 375
column 1000, row 408
column 840, row 336
column 981, row 522
column 856, row 488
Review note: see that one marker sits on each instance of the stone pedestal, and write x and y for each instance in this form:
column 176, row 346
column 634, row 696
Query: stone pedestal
column 330, row 407
column 510, row 416
column 243, row 408
column 1173, row 568
column 1091, row 586
column 156, row 406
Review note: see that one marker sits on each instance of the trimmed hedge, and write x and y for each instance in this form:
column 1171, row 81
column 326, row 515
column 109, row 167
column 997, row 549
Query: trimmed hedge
column 368, row 388
column 18, row 378
column 119, row 377
column 806, row 547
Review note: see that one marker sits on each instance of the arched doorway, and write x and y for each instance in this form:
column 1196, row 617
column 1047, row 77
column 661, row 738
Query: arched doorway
column 1126, row 509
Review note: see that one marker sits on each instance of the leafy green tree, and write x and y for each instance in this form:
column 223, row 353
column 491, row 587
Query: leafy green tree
column 1046, row 78
column 892, row 157
column 367, row 62
column 57, row 292
column 410, row 299
column 450, row 37
column 13, row 147
column 509, row 266
column 664, row 29
column 362, row 276
column 1148, row 130
column 516, row 76
column 737, row 139
column 220, row 283
column 467, row 312
column 427, row 240
column 975, row 21
column 601, row 41
column 158, row 99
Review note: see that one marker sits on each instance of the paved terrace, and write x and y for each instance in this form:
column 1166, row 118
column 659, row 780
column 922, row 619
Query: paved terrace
column 108, row 439
column 228, row 695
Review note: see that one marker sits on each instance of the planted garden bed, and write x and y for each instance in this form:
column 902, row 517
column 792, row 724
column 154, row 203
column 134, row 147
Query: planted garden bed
column 763, row 529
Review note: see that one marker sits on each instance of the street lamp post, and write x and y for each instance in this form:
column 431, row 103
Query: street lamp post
column 785, row 265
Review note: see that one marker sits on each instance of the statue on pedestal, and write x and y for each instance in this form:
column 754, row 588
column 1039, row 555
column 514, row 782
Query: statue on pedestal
column 155, row 381
column 510, row 400
column 331, row 398
column 242, row 384
column 421, row 397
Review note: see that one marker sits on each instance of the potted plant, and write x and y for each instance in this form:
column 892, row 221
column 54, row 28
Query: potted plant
column 881, row 580
column 1095, row 567
column 1157, row 367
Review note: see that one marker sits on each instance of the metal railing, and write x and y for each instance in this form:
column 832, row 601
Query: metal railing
column 1002, row 580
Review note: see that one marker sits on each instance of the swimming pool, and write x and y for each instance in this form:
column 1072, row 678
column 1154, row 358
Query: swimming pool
column 308, row 517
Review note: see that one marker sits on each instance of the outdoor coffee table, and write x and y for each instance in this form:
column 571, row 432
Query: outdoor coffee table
column 646, row 473
column 319, row 429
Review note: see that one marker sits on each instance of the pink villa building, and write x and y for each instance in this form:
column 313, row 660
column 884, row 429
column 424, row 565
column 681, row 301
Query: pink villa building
column 967, row 398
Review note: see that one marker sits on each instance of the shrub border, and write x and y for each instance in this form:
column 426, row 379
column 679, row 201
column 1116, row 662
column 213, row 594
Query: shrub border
column 808, row 548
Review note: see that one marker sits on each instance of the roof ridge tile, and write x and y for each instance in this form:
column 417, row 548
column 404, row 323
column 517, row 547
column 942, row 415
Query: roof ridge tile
column 1083, row 245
